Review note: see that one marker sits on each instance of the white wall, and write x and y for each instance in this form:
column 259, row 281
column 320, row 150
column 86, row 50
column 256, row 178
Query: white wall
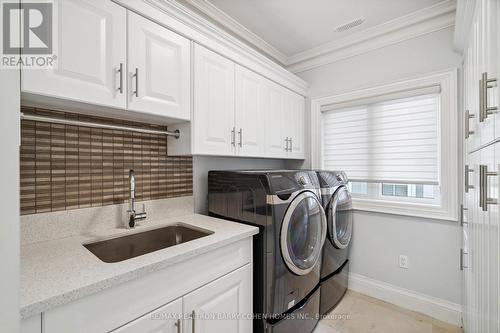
column 432, row 246
column 203, row 164
column 9, row 200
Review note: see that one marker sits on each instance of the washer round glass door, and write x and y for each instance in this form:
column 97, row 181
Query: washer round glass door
column 303, row 233
column 340, row 218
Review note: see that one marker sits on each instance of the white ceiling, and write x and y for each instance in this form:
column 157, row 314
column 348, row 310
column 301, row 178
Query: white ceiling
column 293, row 26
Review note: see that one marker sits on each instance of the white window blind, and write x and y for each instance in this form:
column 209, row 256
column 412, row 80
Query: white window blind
column 390, row 141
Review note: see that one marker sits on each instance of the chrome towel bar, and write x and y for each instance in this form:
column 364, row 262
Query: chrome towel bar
column 56, row 120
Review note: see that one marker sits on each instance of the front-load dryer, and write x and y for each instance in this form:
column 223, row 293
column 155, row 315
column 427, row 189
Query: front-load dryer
column 337, row 203
column 287, row 208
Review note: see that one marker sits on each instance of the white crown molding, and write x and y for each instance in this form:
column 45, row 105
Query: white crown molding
column 427, row 20
column 237, row 28
column 434, row 307
column 184, row 21
column 463, row 20
column 418, row 23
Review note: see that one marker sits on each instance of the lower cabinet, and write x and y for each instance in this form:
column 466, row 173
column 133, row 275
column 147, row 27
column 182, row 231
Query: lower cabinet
column 32, row 324
column 167, row 319
column 224, row 305
column 210, row 293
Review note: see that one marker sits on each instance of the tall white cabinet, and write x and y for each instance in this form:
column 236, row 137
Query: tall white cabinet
column 480, row 253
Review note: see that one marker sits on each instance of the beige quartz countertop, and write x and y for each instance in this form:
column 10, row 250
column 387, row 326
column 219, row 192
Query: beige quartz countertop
column 59, row 271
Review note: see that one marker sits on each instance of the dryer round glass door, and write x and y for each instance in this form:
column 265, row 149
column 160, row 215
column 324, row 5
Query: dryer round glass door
column 303, row 233
column 340, row 218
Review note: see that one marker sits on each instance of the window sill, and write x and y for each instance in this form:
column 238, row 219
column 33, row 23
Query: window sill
column 404, row 208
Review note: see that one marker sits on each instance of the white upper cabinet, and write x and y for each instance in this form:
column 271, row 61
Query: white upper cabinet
column 238, row 112
column 295, row 127
column 481, row 72
column 91, row 49
column 275, row 118
column 491, row 12
column 229, row 298
column 213, row 127
column 250, row 121
column 158, row 69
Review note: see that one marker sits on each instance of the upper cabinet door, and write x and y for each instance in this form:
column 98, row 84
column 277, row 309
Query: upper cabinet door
column 159, row 69
column 229, row 298
column 90, row 48
column 214, row 131
column 250, row 122
column 295, row 112
column 491, row 23
column 275, row 121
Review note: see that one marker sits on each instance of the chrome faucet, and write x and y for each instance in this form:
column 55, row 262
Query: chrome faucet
column 133, row 216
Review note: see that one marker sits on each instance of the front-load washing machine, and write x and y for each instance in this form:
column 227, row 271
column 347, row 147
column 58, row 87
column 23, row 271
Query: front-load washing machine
column 287, row 208
column 337, row 203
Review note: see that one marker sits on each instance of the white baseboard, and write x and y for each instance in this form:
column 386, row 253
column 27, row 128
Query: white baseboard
column 433, row 307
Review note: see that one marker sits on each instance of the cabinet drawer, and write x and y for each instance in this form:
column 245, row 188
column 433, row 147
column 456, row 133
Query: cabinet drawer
column 116, row 306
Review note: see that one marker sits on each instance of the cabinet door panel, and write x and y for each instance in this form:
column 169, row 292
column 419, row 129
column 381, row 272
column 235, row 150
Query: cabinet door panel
column 222, row 305
column 275, row 124
column 32, row 324
column 295, row 110
column 481, row 48
column 491, row 12
column 490, row 157
column 162, row 61
column 166, row 319
column 88, row 60
column 213, row 117
column 250, row 101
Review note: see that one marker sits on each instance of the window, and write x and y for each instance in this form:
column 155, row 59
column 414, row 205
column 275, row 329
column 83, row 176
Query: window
column 396, row 143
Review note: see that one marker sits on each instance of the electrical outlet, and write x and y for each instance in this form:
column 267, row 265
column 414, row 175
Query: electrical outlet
column 403, row 261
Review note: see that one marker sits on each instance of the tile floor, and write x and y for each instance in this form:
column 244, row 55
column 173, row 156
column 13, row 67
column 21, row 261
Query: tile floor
column 358, row 313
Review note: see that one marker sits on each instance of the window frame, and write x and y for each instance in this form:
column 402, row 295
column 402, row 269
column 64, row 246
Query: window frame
column 448, row 158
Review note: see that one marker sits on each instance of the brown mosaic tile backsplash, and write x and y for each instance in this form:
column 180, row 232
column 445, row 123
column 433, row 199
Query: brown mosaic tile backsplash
column 67, row 167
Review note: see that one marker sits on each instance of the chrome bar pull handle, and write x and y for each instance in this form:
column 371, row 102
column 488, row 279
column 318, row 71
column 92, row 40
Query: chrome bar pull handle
column 120, row 70
column 484, row 109
column 482, row 116
column 291, row 144
column 462, row 220
column 240, row 137
column 468, row 117
column 484, row 200
column 233, row 137
column 467, row 187
column 462, row 266
column 193, row 321
column 178, row 325
column 286, row 144
column 136, row 76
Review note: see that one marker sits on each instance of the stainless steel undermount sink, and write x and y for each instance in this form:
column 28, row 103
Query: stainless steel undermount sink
column 137, row 244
